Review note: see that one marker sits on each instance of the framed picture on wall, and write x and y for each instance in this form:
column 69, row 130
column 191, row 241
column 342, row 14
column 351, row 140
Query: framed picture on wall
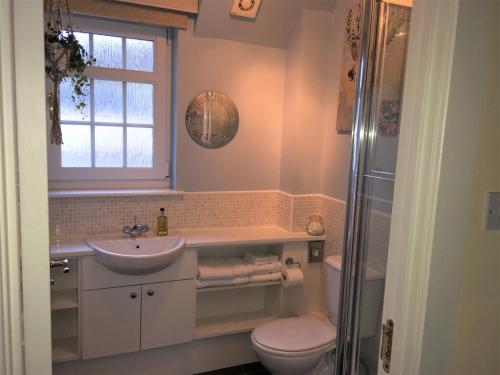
column 349, row 69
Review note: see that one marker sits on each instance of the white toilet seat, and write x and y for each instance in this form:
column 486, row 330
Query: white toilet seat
column 305, row 353
column 294, row 337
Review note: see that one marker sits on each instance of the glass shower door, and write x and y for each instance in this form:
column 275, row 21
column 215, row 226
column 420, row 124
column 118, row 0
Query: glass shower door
column 374, row 159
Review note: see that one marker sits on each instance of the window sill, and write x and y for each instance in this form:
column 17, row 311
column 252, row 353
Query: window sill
column 72, row 193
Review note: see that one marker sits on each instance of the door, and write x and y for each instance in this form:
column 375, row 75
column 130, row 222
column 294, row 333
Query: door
column 110, row 321
column 168, row 313
column 374, row 160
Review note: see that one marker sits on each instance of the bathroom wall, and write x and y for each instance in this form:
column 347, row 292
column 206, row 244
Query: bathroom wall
column 336, row 146
column 253, row 76
column 305, row 89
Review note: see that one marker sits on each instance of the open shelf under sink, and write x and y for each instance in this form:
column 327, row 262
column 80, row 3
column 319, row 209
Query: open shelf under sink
column 65, row 349
column 231, row 323
column 249, row 285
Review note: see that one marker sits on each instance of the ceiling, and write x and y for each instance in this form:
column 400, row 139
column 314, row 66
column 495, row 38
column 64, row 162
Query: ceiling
column 272, row 27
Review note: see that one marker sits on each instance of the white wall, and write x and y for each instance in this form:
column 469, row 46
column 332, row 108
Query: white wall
column 336, row 146
column 287, row 102
column 253, row 76
column 462, row 331
column 307, row 67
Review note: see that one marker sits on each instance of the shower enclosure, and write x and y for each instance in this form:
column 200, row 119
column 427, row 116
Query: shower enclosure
column 384, row 35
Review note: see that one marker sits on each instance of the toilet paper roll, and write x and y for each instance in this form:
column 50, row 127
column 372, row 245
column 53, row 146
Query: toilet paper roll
column 292, row 277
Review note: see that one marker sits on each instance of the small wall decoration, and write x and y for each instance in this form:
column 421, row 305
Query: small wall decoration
column 64, row 57
column 245, row 8
column 212, row 119
column 348, row 69
column 388, row 121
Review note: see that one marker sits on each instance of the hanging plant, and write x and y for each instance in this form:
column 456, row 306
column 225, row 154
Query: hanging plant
column 65, row 57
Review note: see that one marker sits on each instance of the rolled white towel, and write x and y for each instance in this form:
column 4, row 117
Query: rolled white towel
column 201, row 283
column 259, row 269
column 222, row 268
column 255, row 258
column 275, row 276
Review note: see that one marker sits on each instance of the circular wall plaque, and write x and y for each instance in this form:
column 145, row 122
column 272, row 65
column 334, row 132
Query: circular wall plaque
column 212, row 119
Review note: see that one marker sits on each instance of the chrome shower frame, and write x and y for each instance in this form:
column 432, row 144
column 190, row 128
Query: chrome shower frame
column 348, row 327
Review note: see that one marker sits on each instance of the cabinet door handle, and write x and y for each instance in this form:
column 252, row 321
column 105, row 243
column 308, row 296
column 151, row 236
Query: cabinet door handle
column 133, row 295
column 151, row 292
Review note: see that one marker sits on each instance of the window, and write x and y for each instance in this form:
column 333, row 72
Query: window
column 123, row 134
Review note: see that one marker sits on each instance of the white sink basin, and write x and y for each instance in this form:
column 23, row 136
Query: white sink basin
column 137, row 255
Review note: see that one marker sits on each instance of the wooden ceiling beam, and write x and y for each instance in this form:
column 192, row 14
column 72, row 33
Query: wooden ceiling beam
column 185, row 6
column 118, row 10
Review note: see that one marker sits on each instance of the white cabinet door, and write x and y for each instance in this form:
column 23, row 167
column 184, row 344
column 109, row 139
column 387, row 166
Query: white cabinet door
column 111, row 321
column 168, row 313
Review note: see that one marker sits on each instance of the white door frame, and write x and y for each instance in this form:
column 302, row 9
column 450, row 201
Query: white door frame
column 427, row 84
column 24, row 236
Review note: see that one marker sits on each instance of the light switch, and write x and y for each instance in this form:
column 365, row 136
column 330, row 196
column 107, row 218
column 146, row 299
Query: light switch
column 492, row 211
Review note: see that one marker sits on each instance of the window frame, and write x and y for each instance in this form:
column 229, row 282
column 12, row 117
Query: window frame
column 160, row 77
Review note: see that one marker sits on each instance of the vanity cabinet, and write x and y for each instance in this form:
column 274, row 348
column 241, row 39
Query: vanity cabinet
column 168, row 313
column 139, row 317
column 127, row 313
column 111, row 321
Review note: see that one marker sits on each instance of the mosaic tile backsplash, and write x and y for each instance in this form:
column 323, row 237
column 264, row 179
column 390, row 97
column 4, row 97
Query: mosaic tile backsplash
column 79, row 215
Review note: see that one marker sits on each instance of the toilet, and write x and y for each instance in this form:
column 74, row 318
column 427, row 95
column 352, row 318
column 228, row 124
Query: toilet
column 296, row 345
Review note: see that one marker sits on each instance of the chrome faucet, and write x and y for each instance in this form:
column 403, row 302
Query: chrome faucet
column 137, row 230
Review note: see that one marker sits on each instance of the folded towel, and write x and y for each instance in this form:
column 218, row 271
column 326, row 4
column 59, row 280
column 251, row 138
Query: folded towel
column 222, row 268
column 275, row 276
column 221, row 282
column 258, row 269
column 255, row 258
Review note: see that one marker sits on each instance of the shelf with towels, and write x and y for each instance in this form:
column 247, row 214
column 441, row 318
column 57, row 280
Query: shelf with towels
column 247, row 285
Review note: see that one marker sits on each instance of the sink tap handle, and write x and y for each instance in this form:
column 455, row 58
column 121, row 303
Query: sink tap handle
column 60, row 263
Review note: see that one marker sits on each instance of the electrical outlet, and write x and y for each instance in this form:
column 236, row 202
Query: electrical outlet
column 316, row 250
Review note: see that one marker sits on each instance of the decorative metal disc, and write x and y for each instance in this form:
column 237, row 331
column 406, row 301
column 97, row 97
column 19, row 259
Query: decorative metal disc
column 212, row 119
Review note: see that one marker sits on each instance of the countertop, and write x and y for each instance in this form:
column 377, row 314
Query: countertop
column 75, row 246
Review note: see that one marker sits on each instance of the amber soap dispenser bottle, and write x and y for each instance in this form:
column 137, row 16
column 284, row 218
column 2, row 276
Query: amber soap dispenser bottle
column 162, row 224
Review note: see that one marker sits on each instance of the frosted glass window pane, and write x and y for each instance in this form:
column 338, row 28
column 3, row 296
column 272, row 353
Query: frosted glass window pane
column 108, row 101
column 108, row 146
column 75, row 151
column 139, row 103
column 140, row 147
column 83, row 39
column 140, row 55
column 68, row 110
column 108, row 51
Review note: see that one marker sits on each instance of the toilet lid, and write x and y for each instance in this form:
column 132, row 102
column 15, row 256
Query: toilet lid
column 295, row 334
